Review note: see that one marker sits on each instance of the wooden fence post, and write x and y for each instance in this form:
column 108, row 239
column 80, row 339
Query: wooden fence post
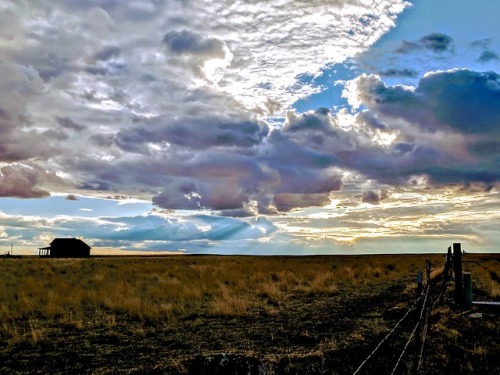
column 446, row 273
column 457, row 268
column 468, row 289
column 447, row 266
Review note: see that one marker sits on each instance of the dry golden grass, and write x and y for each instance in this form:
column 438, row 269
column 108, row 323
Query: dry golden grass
column 100, row 291
column 485, row 273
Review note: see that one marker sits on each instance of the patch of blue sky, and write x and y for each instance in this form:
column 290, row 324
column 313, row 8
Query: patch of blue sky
column 57, row 205
column 474, row 44
column 330, row 84
column 275, row 120
column 463, row 20
column 470, row 25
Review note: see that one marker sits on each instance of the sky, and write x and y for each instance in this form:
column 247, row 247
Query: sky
column 250, row 127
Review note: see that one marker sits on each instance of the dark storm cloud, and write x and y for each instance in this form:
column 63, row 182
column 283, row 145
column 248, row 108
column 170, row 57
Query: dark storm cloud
column 435, row 42
column 97, row 185
column 214, row 133
column 191, row 43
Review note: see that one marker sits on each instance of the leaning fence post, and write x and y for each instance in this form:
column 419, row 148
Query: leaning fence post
column 457, row 268
column 468, row 289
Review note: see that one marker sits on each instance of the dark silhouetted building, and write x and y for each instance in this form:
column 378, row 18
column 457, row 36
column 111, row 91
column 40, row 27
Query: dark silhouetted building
column 65, row 248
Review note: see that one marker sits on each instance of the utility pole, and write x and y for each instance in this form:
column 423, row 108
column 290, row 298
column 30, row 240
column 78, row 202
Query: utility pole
column 11, row 247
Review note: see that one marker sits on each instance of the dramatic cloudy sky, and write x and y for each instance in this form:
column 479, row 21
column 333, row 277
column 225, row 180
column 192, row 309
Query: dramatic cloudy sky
column 263, row 127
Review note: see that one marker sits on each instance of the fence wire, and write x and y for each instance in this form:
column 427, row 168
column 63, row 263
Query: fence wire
column 388, row 335
column 427, row 308
column 424, row 304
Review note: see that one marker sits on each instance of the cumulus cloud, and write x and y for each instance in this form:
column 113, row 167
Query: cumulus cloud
column 441, row 124
column 461, row 100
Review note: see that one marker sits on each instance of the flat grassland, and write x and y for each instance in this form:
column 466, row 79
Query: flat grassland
column 298, row 315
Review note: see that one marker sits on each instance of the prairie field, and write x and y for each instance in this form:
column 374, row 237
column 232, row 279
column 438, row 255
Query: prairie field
column 297, row 315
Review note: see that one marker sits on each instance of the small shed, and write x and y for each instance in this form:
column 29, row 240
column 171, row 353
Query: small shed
column 65, row 248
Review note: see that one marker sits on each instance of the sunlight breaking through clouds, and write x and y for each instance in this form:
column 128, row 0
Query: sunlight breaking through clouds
column 442, row 213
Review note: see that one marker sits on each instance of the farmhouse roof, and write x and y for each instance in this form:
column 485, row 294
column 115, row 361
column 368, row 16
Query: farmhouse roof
column 69, row 242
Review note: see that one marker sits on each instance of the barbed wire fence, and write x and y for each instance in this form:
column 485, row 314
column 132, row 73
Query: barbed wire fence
column 420, row 330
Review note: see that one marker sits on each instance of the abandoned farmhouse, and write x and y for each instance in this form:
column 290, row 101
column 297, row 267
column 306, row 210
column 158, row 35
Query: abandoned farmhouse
column 65, row 248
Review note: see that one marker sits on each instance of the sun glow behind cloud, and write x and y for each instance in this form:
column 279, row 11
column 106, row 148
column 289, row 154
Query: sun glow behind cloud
column 425, row 213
